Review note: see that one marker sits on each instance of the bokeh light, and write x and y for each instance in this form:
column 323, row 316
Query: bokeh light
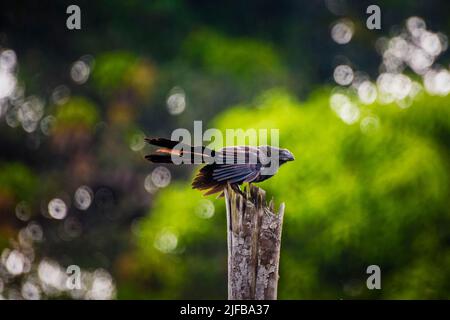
column 343, row 75
column 7, row 83
column 369, row 124
column 369, row 131
column 47, row 124
column 23, row 211
column 60, row 95
column 137, row 141
column 414, row 47
column 83, row 197
column 161, row 177
column 34, row 231
column 30, row 291
column 30, row 113
column 437, row 82
column 166, row 241
column 52, row 276
column 176, row 102
column 149, row 185
column 344, row 108
column 80, row 72
column 342, row 31
column 102, row 286
column 367, row 92
column 15, row 262
column 393, row 86
column 205, row 209
column 8, row 60
column 57, row 209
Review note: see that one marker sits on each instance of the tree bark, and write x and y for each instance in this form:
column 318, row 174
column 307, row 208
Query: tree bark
column 254, row 242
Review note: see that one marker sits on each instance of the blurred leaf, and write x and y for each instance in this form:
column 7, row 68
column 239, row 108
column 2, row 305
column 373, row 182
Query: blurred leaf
column 242, row 59
column 352, row 199
column 17, row 181
column 78, row 111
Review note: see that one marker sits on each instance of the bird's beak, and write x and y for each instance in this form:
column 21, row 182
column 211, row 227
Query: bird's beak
column 288, row 155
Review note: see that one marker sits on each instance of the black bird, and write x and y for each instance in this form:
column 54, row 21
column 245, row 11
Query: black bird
column 229, row 165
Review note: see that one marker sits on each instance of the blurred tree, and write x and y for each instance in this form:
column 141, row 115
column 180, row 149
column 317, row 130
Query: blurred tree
column 374, row 192
column 93, row 94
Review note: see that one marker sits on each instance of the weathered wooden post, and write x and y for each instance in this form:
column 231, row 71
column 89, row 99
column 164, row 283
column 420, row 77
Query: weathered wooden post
column 254, row 242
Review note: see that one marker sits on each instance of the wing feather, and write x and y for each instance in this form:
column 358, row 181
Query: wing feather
column 237, row 173
column 237, row 155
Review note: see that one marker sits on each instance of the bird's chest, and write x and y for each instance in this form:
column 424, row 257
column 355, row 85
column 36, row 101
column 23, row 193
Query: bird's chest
column 265, row 173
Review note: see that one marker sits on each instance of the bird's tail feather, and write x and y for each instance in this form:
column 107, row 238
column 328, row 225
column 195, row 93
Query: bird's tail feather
column 164, row 154
column 204, row 181
column 163, row 142
column 159, row 158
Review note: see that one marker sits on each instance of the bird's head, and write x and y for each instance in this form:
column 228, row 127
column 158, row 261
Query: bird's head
column 280, row 156
column 286, row 155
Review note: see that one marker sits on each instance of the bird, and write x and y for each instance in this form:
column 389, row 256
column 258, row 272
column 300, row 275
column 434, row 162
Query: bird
column 232, row 166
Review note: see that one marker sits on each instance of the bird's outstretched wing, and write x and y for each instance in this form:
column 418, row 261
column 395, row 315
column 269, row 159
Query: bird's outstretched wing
column 236, row 173
column 230, row 165
column 237, row 155
column 171, row 148
column 236, row 164
column 228, row 168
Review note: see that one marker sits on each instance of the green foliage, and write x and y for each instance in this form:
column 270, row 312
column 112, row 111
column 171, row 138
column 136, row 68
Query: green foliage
column 77, row 111
column 241, row 59
column 111, row 70
column 17, row 180
column 173, row 241
column 354, row 198
column 361, row 194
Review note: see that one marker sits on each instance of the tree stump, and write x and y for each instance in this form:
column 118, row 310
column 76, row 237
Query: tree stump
column 254, row 242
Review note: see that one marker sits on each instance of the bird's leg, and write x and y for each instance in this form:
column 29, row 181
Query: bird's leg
column 236, row 188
